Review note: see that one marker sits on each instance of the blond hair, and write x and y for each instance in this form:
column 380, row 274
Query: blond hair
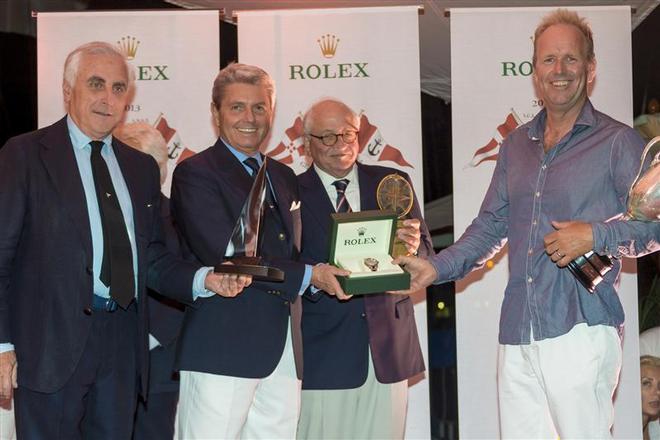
column 237, row 73
column 571, row 18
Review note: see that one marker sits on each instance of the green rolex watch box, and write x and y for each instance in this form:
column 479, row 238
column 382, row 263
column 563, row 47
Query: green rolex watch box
column 361, row 242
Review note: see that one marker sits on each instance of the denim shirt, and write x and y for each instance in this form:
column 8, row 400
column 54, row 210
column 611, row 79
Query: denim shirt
column 585, row 177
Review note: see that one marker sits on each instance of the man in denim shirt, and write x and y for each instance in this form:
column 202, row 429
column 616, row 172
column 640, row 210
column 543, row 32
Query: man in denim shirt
column 558, row 179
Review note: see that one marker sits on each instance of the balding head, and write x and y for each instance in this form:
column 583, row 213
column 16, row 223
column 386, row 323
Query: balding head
column 327, row 121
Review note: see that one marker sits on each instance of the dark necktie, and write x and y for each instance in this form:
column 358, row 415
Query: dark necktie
column 342, row 202
column 254, row 166
column 117, row 266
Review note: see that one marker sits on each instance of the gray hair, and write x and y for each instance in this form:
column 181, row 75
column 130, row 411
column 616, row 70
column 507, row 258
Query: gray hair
column 571, row 18
column 243, row 74
column 312, row 113
column 72, row 63
column 649, row 361
column 145, row 138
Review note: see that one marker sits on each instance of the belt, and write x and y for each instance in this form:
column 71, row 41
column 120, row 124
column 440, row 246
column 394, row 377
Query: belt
column 102, row 304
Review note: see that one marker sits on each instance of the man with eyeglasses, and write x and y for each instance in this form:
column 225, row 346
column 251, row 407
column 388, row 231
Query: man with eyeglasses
column 358, row 351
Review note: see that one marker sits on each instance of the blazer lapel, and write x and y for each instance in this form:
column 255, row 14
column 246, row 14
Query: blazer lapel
column 60, row 162
column 234, row 179
column 283, row 195
column 315, row 196
column 368, row 186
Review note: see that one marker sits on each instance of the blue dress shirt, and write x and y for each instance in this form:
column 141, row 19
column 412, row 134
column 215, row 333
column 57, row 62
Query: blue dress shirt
column 584, row 177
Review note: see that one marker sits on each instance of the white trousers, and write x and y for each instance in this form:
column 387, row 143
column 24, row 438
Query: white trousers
column 561, row 386
column 372, row 411
column 7, row 425
column 213, row 406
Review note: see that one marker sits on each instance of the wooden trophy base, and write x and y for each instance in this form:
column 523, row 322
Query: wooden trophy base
column 250, row 266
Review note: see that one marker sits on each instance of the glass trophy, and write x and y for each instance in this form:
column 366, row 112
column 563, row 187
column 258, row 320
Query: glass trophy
column 244, row 239
column 643, row 205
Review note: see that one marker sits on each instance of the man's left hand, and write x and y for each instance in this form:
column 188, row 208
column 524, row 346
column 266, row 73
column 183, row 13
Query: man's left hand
column 8, row 378
column 410, row 235
column 570, row 240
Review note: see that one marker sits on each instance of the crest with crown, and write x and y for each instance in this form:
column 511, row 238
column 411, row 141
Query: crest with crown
column 328, row 44
column 128, row 46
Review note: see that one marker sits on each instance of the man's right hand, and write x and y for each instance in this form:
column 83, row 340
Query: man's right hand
column 324, row 277
column 8, row 377
column 422, row 273
column 227, row 285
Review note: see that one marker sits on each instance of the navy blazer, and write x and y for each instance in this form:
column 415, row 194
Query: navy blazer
column 165, row 314
column 165, row 319
column 242, row 336
column 46, row 254
column 337, row 334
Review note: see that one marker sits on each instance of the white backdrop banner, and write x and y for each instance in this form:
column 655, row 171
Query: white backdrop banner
column 175, row 55
column 492, row 93
column 353, row 55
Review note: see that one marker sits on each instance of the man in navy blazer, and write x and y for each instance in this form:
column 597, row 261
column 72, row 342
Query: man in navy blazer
column 81, row 358
column 359, row 351
column 240, row 357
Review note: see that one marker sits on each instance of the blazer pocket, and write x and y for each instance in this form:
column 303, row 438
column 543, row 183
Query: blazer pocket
column 404, row 308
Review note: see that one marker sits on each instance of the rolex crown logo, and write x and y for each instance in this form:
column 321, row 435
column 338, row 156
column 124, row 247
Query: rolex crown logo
column 328, row 44
column 361, row 231
column 128, row 46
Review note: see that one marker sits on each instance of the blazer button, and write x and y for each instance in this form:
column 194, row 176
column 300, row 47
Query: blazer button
column 286, row 303
column 364, row 315
column 89, row 270
column 87, row 311
column 281, row 236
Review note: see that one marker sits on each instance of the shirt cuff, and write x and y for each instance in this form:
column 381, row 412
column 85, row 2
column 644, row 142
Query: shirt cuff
column 438, row 263
column 199, row 291
column 6, row 346
column 602, row 237
column 307, row 279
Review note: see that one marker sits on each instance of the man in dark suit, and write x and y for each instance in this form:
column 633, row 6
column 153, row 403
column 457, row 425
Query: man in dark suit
column 155, row 415
column 80, row 241
column 360, row 351
column 240, row 357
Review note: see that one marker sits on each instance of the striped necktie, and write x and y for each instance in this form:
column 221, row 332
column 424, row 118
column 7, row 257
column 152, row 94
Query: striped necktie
column 342, row 202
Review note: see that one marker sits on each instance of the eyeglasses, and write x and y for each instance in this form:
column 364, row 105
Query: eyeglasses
column 330, row 139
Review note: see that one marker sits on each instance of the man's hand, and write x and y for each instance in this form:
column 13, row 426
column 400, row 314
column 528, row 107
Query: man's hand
column 569, row 241
column 324, row 278
column 8, row 376
column 410, row 234
column 227, row 285
column 422, row 273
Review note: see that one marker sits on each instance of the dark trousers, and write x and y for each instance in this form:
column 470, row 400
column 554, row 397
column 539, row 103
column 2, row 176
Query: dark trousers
column 154, row 419
column 98, row 401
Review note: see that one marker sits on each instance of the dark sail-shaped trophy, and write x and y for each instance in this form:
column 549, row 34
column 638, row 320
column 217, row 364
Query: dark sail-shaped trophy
column 643, row 204
column 245, row 238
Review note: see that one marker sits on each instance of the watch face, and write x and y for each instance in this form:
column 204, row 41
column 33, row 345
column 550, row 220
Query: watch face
column 371, row 263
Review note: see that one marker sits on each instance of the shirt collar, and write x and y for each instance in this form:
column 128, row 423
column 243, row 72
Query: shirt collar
column 328, row 179
column 586, row 118
column 79, row 139
column 240, row 155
